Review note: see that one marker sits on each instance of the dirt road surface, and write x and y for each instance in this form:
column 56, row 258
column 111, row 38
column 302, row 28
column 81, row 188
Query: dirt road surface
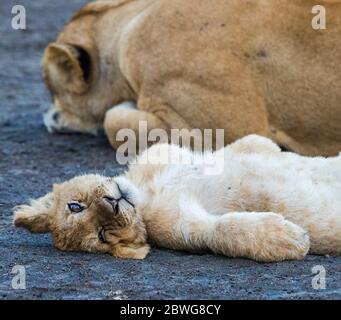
column 31, row 160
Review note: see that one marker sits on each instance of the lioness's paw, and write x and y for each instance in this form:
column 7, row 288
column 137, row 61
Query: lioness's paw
column 254, row 144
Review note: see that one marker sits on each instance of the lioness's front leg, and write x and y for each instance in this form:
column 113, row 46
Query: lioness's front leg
column 126, row 116
column 265, row 237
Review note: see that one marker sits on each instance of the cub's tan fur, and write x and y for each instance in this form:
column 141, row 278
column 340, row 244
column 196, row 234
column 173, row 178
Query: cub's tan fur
column 252, row 66
column 264, row 205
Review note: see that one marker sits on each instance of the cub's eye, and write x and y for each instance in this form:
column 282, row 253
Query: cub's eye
column 75, row 207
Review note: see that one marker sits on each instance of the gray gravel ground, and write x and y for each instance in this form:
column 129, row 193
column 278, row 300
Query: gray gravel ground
column 31, row 160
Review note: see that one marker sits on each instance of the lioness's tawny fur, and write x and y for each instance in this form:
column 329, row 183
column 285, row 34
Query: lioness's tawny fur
column 262, row 204
column 251, row 66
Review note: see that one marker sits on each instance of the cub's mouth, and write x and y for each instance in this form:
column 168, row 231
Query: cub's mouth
column 101, row 235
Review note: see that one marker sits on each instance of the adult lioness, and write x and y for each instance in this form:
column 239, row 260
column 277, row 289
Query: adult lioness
column 265, row 205
column 253, row 66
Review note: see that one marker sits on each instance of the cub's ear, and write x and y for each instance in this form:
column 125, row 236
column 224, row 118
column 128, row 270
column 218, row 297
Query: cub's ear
column 66, row 68
column 35, row 217
column 131, row 251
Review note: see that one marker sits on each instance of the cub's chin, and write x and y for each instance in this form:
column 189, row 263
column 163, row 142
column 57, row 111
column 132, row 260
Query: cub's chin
column 129, row 241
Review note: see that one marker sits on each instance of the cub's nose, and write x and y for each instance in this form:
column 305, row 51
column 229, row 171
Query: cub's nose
column 113, row 202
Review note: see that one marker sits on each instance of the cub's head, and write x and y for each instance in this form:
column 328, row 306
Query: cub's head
column 81, row 69
column 89, row 213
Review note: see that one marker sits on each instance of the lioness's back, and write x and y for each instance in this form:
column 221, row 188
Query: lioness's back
column 295, row 67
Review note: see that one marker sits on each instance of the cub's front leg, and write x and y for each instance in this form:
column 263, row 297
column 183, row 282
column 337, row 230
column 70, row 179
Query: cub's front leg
column 265, row 237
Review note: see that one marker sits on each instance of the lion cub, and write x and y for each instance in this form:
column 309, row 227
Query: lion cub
column 264, row 205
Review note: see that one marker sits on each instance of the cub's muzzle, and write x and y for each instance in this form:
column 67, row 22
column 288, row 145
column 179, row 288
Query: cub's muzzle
column 113, row 202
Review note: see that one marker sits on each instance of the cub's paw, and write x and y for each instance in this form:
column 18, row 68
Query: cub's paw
column 131, row 251
column 261, row 236
column 281, row 240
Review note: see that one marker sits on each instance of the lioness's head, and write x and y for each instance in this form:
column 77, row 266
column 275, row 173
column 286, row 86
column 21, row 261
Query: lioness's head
column 89, row 213
column 81, row 69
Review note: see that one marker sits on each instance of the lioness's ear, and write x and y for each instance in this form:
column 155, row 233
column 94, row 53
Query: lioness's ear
column 131, row 251
column 35, row 217
column 66, row 67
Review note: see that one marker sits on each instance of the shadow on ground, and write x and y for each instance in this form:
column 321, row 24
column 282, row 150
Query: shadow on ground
column 31, row 160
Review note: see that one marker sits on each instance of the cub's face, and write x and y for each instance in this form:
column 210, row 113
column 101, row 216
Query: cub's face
column 89, row 213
